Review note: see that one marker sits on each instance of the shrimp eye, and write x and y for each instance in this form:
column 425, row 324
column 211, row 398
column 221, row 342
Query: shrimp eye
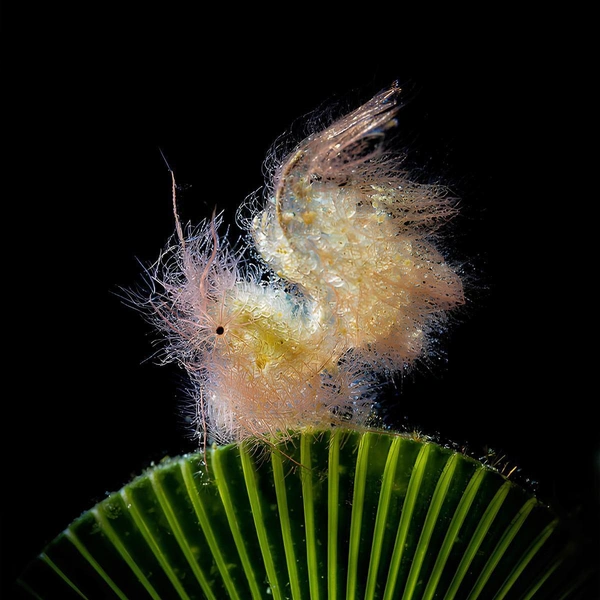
column 220, row 330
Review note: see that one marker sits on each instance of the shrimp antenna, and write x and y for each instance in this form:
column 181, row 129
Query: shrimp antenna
column 174, row 195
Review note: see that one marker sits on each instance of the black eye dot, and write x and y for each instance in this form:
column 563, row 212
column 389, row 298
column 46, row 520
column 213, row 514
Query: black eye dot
column 220, row 330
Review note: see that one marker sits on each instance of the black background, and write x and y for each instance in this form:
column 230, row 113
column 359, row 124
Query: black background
column 495, row 115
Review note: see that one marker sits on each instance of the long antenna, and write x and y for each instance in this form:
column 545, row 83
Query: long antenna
column 174, row 194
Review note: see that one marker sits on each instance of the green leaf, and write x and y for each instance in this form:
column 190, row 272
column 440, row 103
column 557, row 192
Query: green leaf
column 328, row 514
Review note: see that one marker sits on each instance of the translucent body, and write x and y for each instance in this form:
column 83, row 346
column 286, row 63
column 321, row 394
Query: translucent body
column 351, row 284
column 380, row 278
